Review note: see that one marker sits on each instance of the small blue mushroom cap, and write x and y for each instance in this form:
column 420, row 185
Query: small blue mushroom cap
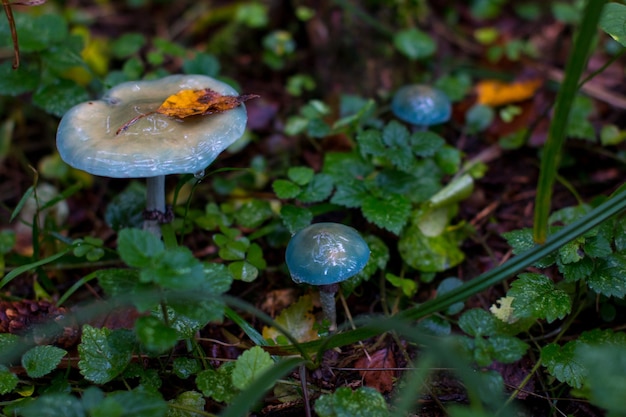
column 326, row 253
column 156, row 145
column 421, row 105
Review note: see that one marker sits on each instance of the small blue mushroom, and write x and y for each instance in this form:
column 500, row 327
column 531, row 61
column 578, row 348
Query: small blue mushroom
column 421, row 105
column 325, row 254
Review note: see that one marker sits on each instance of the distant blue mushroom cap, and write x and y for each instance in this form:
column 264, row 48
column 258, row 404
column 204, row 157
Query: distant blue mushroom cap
column 421, row 105
column 156, row 145
column 326, row 253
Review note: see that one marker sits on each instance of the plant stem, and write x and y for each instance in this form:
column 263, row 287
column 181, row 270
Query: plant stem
column 327, row 299
column 155, row 202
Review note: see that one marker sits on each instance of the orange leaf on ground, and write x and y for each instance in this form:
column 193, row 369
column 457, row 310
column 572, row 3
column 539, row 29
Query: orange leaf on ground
column 382, row 376
column 187, row 103
column 498, row 93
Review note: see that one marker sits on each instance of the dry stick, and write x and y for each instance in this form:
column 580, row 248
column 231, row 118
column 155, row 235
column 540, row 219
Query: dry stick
column 132, row 122
column 16, row 47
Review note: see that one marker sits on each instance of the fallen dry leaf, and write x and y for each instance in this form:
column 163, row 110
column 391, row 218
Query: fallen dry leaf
column 187, row 103
column 381, row 378
column 497, row 93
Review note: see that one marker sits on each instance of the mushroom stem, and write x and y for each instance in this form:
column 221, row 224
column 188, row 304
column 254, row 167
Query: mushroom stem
column 155, row 202
column 327, row 300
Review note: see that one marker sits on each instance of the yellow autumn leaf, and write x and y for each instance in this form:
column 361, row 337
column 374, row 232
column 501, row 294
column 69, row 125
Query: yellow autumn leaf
column 498, row 93
column 187, row 103
column 297, row 319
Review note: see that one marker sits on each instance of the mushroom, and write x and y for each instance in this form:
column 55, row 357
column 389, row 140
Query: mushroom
column 325, row 254
column 156, row 145
column 421, row 105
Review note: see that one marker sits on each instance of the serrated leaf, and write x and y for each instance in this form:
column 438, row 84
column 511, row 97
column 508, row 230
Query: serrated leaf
column 578, row 270
column 184, row 403
column 613, row 21
column 478, row 322
column 116, row 282
column 285, row 189
column 414, row 44
column 507, row 349
column 350, row 193
column 58, row 98
column 154, row 334
column 295, row 218
column 609, row 276
column 343, row 166
column 429, row 254
column 300, row 175
column 185, row 367
column 561, row 363
column 176, row 269
column 535, row 295
column 104, row 353
column 54, row 405
column 606, row 376
column 218, row 384
column 139, row 403
column 8, row 380
column 571, row 252
column 521, row 240
column 41, row 360
column 363, row 402
column 426, row 143
column 137, row 247
column 249, row 366
column 391, row 212
column 126, row 208
column 17, row 81
column 371, row 142
column 297, row 319
column 319, row 189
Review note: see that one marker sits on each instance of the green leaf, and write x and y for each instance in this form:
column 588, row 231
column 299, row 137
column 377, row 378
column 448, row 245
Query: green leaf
column 521, row 240
column 371, row 142
column 253, row 213
column 346, row 166
column 243, row 271
column 285, row 189
column 19, row 81
column 295, row 319
column 609, row 276
column 295, row 218
column 430, row 254
column 54, row 405
column 187, row 401
column 448, row 159
column 535, row 295
column 300, row 175
column 350, row 193
column 606, row 376
column 249, row 366
column 561, row 363
column 319, row 189
column 139, row 403
column 202, row 63
column 362, row 402
column 218, row 384
column 128, row 44
column 35, row 33
column 104, row 353
column 8, row 380
column 41, row 360
column 154, row 334
column 185, row 367
column 414, row 44
column 613, row 21
column 391, row 212
column 126, row 208
column 138, row 248
column 408, row 286
column 448, row 285
column 507, row 349
column 564, row 363
column 478, row 322
column 59, row 97
column 176, row 269
column 426, row 143
column 116, row 282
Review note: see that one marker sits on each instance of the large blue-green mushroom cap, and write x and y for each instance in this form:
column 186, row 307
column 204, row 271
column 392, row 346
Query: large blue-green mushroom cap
column 421, row 105
column 155, row 145
column 326, row 253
